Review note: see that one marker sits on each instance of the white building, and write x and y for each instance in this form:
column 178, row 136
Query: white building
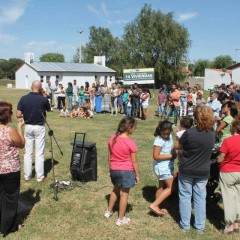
column 235, row 73
column 63, row 72
column 216, row 77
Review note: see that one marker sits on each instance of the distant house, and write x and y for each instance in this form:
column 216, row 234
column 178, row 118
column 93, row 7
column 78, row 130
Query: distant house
column 63, row 72
column 235, row 73
column 216, row 77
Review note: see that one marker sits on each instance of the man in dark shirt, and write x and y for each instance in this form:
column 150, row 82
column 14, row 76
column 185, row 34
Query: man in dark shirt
column 234, row 95
column 135, row 100
column 32, row 107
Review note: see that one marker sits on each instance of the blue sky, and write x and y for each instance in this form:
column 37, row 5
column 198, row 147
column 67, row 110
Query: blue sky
column 42, row 26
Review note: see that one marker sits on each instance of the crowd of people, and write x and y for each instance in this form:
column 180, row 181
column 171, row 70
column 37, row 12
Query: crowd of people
column 98, row 98
column 215, row 119
column 181, row 100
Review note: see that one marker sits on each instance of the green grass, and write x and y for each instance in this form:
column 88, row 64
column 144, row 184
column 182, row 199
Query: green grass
column 79, row 212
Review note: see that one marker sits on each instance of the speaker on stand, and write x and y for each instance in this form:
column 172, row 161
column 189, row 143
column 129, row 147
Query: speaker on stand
column 83, row 166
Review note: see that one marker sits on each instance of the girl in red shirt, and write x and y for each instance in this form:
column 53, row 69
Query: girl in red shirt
column 124, row 170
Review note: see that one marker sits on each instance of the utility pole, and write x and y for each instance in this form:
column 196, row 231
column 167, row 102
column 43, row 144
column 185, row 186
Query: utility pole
column 237, row 49
column 80, row 48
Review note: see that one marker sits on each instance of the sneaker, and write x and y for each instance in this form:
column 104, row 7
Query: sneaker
column 42, row 180
column 108, row 214
column 124, row 221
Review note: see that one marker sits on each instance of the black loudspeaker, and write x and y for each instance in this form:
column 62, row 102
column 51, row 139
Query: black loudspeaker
column 83, row 165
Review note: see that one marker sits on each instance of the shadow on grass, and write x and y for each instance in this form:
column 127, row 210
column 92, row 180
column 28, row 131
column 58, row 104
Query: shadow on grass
column 214, row 212
column 116, row 206
column 171, row 203
column 26, row 202
column 48, row 165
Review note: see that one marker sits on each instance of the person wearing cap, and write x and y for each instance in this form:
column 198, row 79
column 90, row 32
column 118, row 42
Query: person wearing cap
column 55, row 88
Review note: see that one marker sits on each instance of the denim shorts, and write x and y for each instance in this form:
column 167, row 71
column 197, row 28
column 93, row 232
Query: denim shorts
column 164, row 176
column 121, row 178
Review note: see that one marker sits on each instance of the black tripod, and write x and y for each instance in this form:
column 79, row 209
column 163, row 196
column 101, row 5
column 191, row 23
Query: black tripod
column 55, row 183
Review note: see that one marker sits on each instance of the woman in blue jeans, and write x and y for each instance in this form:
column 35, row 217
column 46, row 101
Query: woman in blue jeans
column 194, row 168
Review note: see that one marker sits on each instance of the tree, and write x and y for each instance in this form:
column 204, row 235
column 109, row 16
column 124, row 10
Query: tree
column 52, row 57
column 199, row 67
column 102, row 43
column 154, row 39
column 9, row 67
column 222, row 61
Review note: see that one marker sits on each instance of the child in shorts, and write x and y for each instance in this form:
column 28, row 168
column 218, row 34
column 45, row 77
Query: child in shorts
column 124, row 170
column 163, row 165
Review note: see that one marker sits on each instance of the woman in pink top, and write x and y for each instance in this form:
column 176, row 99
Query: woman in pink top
column 10, row 141
column 124, row 170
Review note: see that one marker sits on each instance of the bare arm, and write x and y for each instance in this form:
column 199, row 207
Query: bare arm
column 221, row 126
column 177, row 145
column 17, row 136
column 220, row 157
column 19, row 114
column 135, row 166
column 109, row 154
column 157, row 156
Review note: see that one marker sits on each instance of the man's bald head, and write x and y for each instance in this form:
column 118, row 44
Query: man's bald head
column 36, row 86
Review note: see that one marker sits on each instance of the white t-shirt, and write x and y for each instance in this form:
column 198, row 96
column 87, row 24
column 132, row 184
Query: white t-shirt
column 75, row 88
column 64, row 113
column 114, row 92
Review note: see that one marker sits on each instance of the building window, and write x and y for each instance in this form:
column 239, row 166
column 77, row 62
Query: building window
column 48, row 78
column 57, row 77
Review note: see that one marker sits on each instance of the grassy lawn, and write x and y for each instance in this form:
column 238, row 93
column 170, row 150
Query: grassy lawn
column 79, row 212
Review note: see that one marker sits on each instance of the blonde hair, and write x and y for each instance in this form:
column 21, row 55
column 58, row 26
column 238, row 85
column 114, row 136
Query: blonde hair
column 204, row 118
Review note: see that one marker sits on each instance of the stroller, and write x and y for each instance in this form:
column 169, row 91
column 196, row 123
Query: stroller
column 213, row 181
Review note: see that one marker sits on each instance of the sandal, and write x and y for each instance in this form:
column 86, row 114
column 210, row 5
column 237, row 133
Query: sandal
column 229, row 230
column 162, row 212
column 159, row 213
column 236, row 227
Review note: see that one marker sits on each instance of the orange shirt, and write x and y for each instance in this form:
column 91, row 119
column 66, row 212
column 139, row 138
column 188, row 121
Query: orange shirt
column 175, row 95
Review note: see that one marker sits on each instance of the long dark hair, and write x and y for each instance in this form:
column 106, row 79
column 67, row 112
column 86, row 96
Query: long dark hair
column 162, row 126
column 233, row 108
column 124, row 125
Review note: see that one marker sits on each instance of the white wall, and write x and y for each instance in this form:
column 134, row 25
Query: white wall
column 214, row 77
column 236, row 75
column 22, row 82
column 84, row 77
column 24, row 77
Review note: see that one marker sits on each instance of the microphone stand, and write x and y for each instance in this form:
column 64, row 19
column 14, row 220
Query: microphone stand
column 54, row 185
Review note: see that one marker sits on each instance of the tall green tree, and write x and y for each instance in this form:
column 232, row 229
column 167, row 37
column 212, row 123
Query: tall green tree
column 154, row 39
column 199, row 67
column 9, row 67
column 223, row 61
column 101, row 43
column 52, row 57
